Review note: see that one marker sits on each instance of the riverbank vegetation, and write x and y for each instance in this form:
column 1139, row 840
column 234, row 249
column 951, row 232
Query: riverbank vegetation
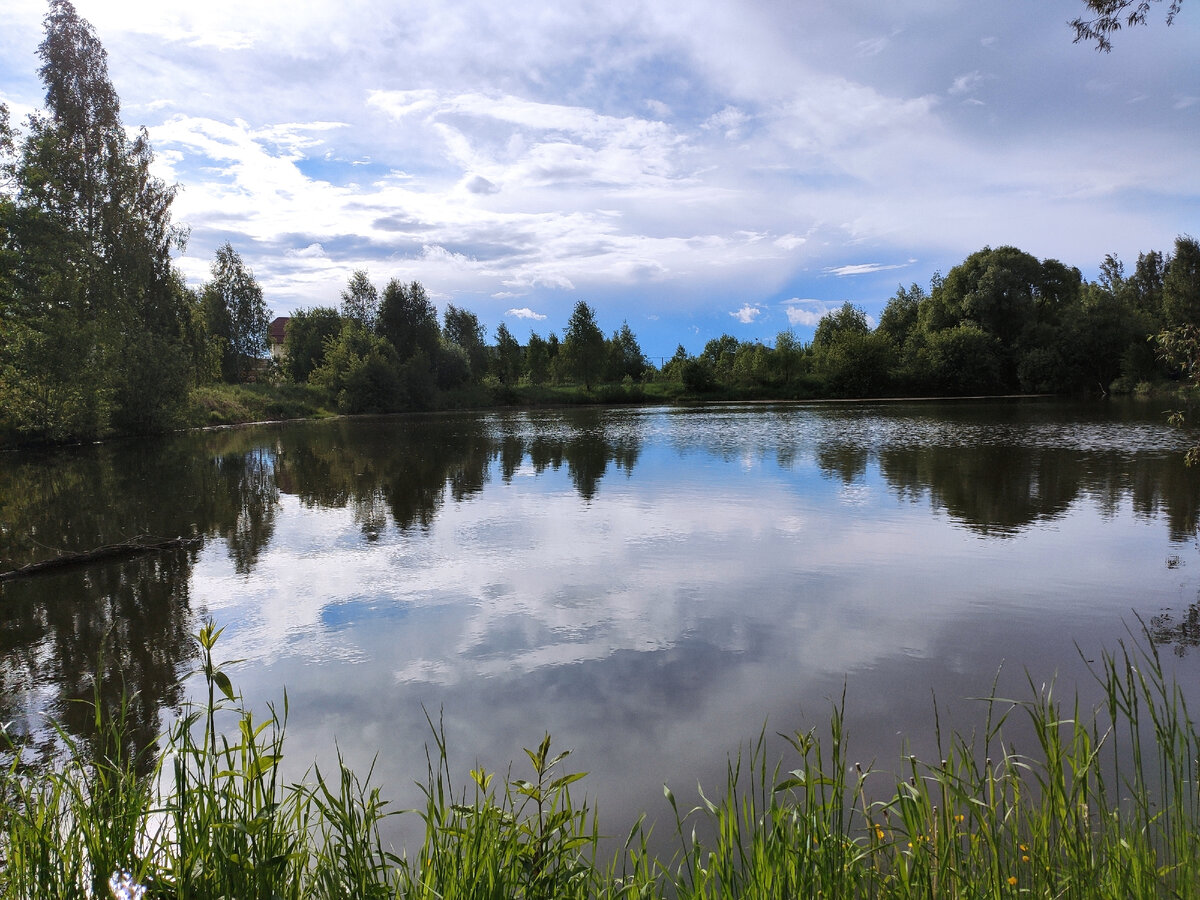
column 1044, row 798
column 99, row 334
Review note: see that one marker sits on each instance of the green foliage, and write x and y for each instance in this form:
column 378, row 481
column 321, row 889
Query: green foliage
column 583, row 346
column 901, row 314
column 309, row 332
column 230, row 404
column 854, row 363
column 697, row 375
column 453, row 367
column 97, row 326
column 360, row 300
column 788, row 361
column 1181, row 284
column 530, row 840
column 964, row 359
column 537, row 359
column 461, row 328
column 508, row 360
column 408, row 320
column 672, row 369
column 845, row 321
column 1043, row 799
column 236, row 313
column 719, row 354
column 625, row 357
column 361, row 372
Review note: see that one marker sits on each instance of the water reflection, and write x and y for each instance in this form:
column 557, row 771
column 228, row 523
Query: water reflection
column 1179, row 631
column 452, row 549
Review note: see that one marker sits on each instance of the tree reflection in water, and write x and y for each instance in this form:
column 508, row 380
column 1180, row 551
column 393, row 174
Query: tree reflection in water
column 400, row 472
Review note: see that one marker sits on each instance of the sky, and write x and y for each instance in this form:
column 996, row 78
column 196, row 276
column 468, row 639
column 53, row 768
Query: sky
column 694, row 169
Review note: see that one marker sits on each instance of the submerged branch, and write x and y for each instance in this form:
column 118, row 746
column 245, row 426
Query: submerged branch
column 135, row 547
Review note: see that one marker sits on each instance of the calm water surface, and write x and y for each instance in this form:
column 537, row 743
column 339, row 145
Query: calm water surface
column 650, row 586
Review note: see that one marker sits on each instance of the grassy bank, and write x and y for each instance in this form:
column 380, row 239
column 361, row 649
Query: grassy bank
column 1101, row 803
column 235, row 404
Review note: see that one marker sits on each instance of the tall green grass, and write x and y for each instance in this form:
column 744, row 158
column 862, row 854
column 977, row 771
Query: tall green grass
column 1043, row 799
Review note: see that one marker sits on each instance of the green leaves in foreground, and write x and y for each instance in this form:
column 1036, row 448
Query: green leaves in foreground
column 1045, row 800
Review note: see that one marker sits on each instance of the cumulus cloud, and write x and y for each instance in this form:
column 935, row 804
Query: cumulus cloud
column 805, row 312
column 675, row 159
column 747, row 314
column 525, row 313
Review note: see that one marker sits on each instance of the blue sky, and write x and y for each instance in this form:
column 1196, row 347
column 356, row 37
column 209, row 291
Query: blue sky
column 694, row 169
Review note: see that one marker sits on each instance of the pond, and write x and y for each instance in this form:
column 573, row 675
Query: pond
column 653, row 587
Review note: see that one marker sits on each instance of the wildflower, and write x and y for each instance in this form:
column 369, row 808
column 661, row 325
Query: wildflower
column 878, row 832
column 1012, row 880
column 123, row 887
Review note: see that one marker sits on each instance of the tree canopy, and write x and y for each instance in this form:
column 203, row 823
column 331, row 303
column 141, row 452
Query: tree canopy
column 100, row 330
column 236, row 312
column 584, row 346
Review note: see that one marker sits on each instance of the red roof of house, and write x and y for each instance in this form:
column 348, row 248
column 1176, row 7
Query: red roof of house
column 277, row 329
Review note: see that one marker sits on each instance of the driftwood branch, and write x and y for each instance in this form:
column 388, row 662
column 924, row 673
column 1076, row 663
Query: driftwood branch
column 123, row 550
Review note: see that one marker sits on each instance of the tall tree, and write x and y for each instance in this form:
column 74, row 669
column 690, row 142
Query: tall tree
column 584, row 346
column 508, row 356
column 408, row 319
column 463, row 330
column 537, row 359
column 625, row 356
column 1181, row 284
column 98, row 318
column 360, row 300
column 848, row 319
column 236, row 312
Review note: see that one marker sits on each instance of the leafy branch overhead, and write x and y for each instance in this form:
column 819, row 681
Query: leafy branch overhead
column 1112, row 15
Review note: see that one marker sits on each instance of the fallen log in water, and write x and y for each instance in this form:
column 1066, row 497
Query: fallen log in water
column 123, row 550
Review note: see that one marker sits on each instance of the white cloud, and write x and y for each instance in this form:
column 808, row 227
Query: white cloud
column 747, row 314
column 790, row 241
column 711, row 150
column 658, row 109
column 864, row 269
column 729, row 122
column 805, row 312
column 965, row 84
column 312, row 251
column 525, row 313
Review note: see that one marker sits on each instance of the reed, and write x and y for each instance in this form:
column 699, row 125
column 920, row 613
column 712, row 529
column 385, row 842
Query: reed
column 1097, row 803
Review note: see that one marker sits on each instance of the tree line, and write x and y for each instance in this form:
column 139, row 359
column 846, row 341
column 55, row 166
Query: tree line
column 99, row 333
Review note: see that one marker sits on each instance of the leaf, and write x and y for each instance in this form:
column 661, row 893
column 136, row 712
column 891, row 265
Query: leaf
column 566, row 779
column 221, row 680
